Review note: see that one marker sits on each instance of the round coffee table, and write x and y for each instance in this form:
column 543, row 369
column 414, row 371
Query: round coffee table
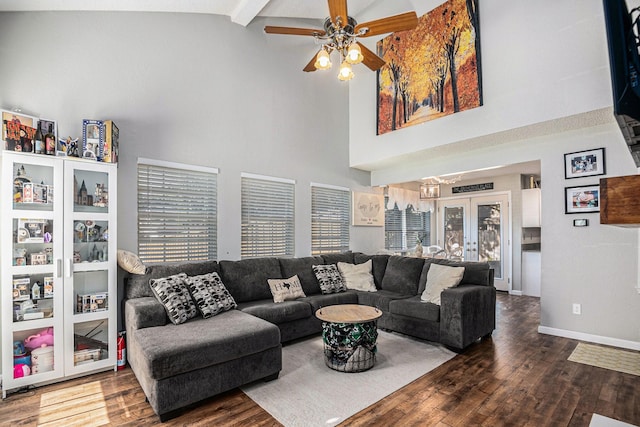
column 349, row 333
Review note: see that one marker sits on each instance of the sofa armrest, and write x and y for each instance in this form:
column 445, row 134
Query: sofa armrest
column 143, row 312
column 467, row 312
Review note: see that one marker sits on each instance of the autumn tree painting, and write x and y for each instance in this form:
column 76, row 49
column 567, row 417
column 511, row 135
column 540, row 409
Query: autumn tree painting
column 431, row 71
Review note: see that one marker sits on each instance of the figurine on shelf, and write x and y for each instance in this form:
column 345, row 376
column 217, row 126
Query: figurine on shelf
column 68, row 147
column 101, row 196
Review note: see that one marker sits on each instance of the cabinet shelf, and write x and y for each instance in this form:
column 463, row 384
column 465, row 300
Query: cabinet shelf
column 74, row 229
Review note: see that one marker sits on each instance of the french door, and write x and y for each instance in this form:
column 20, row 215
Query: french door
column 477, row 229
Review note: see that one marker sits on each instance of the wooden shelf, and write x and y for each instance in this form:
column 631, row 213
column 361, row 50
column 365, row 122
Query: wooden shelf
column 620, row 201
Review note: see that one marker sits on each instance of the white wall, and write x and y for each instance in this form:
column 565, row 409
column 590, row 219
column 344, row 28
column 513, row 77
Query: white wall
column 546, row 93
column 193, row 89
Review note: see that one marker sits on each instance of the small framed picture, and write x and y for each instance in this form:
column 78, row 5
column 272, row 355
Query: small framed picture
column 18, row 131
column 582, row 199
column 368, row 209
column 584, row 163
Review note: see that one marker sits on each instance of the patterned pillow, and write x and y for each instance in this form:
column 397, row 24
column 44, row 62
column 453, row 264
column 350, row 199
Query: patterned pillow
column 329, row 278
column 286, row 289
column 210, row 294
column 173, row 294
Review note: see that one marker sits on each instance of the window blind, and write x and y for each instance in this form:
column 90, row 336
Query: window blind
column 330, row 215
column 402, row 228
column 177, row 212
column 268, row 221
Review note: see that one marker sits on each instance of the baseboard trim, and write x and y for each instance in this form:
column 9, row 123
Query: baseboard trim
column 518, row 293
column 614, row 342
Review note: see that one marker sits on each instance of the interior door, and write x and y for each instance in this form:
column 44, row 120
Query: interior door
column 477, row 229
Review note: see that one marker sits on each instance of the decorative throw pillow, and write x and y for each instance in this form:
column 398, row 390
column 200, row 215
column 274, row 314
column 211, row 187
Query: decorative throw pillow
column 439, row 278
column 358, row 276
column 172, row 292
column 286, row 289
column 329, row 278
column 210, row 294
column 130, row 262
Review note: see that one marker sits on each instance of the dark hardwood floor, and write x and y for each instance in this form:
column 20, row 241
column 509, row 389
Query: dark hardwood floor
column 516, row 378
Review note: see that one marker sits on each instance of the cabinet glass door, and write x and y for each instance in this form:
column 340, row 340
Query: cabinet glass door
column 32, row 297
column 89, row 276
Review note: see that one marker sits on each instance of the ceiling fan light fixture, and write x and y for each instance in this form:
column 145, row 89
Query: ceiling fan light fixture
column 345, row 73
column 323, row 62
column 354, row 54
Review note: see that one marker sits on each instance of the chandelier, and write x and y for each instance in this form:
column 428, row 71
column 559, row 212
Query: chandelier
column 341, row 39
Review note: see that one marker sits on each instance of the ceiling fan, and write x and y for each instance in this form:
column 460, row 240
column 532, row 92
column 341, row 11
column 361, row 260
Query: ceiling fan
column 340, row 34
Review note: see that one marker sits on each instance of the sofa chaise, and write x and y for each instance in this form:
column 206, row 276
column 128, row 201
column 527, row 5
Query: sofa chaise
column 178, row 365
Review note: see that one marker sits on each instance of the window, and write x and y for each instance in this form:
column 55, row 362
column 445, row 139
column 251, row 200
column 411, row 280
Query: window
column 177, row 212
column 402, row 228
column 330, row 214
column 268, row 222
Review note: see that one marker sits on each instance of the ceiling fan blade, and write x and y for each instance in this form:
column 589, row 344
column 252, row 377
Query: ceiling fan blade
column 338, row 9
column 310, row 66
column 402, row 22
column 371, row 60
column 294, row 31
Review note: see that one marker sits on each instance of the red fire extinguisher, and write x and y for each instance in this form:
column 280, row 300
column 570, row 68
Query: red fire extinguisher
column 122, row 351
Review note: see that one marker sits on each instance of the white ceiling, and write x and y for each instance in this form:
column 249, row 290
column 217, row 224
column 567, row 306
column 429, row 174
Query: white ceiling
column 239, row 11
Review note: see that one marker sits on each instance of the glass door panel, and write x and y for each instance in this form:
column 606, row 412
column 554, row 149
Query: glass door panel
column 90, row 191
column 453, row 224
column 488, row 236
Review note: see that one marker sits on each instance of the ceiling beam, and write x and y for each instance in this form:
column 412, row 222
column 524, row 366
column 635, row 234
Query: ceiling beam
column 246, row 10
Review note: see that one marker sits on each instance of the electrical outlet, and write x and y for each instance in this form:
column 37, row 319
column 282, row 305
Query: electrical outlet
column 577, row 309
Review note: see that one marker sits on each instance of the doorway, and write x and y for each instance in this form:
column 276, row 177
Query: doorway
column 478, row 229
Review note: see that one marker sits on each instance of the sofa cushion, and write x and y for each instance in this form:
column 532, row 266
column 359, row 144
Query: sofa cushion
column 475, row 273
column 357, row 277
column 439, row 278
column 210, row 295
column 277, row 312
column 286, row 289
column 329, row 278
column 173, row 294
column 138, row 285
column 380, row 299
column 414, row 307
column 247, row 279
column 318, row 301
column 303, row 268
column 130, row 262
column 336, row 258
column 175, row 349
column 402, row 275
column 377, row 269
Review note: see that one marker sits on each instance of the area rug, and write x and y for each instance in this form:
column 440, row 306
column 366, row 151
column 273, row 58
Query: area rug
column 309, row 394
column 602, row 421
column 607, row 357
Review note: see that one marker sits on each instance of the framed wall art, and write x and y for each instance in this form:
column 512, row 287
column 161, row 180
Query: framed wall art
column 368, row 209
column 584, row 163
column 431, row 71
column 583, row 199
column 18, row 131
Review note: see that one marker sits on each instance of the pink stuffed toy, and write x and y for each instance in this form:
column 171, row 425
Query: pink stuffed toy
column 42, row 339
column 21, row 370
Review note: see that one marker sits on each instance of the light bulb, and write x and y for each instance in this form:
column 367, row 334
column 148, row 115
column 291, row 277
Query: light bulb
column 323, row 62
column 354, row 54
column 345, row 73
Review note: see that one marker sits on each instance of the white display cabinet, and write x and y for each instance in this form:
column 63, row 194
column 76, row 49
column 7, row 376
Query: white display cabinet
column 58, row 268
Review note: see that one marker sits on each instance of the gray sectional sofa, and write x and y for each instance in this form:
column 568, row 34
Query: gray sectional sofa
column 178, row 365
